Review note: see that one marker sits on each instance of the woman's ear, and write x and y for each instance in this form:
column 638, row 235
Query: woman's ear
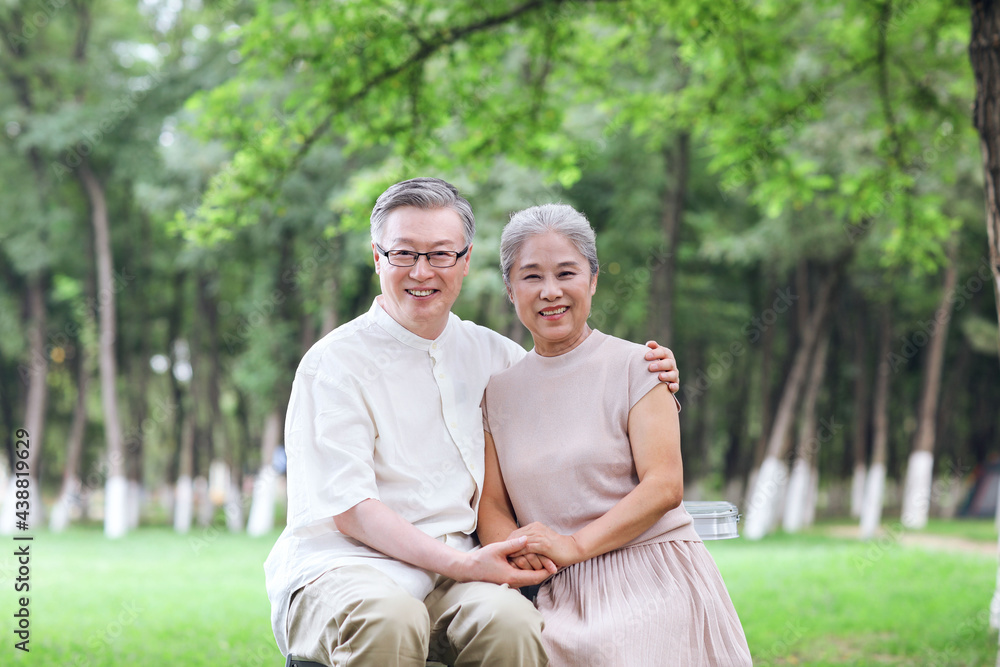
column 593, row 283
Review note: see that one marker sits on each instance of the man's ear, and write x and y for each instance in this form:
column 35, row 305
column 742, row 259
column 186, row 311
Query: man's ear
column 467, row 258
column 377, row 256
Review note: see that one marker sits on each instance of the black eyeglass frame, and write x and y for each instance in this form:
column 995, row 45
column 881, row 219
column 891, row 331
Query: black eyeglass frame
column 416, row 256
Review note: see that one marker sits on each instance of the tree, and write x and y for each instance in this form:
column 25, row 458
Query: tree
column 917, row 488
column 983, row 52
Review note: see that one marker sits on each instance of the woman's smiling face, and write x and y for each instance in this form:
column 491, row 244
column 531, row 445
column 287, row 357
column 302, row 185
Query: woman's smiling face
column 551, row 287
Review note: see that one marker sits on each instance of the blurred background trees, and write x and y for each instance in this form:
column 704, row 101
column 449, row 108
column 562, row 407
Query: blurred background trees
column 789, row 195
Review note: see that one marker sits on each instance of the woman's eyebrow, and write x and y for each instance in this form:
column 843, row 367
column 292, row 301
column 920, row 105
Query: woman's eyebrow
column 535, row 267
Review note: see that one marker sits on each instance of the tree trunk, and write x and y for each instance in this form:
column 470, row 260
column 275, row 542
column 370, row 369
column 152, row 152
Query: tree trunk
column 262, row 507
column 773, row 475
column 329, row 308
column 35, row 375
column 984, row 53
column 69, row 495
column 139, row 378
column 116, row 487
column 760, row 447
column 665, row 269
column 801, row 482
column 184, row 489
column 871, row 508
column 917, row 490
column 737, row 457
column 861, row 414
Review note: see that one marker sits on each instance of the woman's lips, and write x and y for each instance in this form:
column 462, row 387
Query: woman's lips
column 554, row 312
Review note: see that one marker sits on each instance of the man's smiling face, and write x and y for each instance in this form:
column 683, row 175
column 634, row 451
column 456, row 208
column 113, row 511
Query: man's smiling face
column 420, row 297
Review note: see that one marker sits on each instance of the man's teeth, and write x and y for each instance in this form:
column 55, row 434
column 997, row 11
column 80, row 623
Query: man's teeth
column 420, row 292
column 557, row 311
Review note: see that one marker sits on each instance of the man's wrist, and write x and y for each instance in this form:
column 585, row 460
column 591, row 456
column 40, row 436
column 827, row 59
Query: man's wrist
column 457, row 566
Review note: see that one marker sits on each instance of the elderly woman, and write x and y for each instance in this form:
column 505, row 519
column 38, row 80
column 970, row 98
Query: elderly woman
column 583, row 457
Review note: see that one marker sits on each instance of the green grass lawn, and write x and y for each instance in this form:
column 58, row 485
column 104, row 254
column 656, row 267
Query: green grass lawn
column 156, row 598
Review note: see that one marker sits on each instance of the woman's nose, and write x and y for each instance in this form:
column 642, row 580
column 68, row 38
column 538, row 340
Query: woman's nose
column 550, row 290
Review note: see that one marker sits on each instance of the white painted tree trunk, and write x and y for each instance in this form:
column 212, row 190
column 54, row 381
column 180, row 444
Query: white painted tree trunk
column 234, row 509
column 62, row 511
column 917, row 490
column 797, row 498
column 116, row 506
column 812, row 498
column 995, row 602
column 778, row 508
column 183, row 504
column 116, row 488
column 133, row 504
column 262, row 506
column 751, row 485
column 771, row 481
column 858, row 489
column 203, row 502
column 261, row 518
column 871, row 508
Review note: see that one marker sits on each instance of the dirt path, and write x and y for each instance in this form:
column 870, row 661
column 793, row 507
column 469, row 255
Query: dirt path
column 938, row 542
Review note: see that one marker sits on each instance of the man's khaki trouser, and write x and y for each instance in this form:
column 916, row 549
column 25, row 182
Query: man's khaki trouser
column 358, row 617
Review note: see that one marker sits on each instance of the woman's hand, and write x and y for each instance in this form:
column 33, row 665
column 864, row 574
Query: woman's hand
column 562, row 550
column 533, row 562
column 493, row 563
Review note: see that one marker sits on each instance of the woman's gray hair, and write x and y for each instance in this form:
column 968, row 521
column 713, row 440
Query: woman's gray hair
column 423, row 193
column 558, row 218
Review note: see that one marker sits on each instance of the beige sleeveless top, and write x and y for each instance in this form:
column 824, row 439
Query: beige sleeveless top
column 560, row 428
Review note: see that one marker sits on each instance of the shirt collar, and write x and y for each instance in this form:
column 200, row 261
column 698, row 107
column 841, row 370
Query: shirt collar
column 401, row 333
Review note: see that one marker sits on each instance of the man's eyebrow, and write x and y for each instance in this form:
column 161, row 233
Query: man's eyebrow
column 434, row 244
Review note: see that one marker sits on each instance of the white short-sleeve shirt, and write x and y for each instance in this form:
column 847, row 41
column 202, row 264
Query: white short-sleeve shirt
column 379, row 412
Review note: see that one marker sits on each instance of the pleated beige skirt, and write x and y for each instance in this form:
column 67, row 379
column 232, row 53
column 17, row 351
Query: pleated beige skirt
column 645, row 605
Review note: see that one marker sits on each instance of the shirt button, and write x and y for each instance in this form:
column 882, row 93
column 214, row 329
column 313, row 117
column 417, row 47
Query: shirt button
column 441, row 375
column 453, row 425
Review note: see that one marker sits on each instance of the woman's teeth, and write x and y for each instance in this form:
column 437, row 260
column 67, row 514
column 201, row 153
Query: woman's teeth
column 557, row 311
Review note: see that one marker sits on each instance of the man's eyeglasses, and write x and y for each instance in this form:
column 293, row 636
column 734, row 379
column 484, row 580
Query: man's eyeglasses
column 439, row 259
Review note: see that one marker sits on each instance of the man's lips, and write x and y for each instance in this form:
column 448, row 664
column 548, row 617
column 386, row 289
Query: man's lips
column 420, row 293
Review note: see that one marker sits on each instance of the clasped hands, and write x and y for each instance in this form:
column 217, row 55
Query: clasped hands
column 545, row 549
column 530, row 555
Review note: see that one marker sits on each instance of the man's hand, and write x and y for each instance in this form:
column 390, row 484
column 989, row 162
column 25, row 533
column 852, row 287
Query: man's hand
column 561, row 550
column 664, row 363
column 490, row 564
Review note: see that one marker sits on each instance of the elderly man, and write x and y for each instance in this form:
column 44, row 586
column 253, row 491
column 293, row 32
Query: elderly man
column 379, row 563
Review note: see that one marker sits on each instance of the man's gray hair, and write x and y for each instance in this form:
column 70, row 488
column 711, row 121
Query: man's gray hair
column 558, row 218
column 423, row 193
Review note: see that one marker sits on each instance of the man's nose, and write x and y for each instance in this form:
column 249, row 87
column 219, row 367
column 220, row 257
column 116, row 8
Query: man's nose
column 422, row 269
